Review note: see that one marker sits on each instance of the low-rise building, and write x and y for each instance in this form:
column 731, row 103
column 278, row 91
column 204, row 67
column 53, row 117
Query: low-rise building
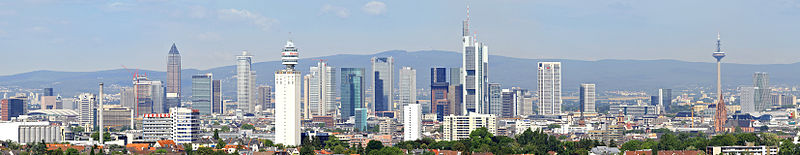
column 459, row 127
column 752, row 150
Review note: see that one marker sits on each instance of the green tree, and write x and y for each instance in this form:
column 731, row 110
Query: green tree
column 216, row 133
column 161, row 151
column 225, row 128
column 307, row 151
column 247, row 127
column 763, row 128
column 72, row 151
column 553, row 126
column 106, row 136
column 188, row 148
column 373, row 145
column 220, row 144
column 267, row 142
column 631, row 145
column 387, row 151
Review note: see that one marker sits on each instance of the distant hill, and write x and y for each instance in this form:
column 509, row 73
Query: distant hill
column 607, row 74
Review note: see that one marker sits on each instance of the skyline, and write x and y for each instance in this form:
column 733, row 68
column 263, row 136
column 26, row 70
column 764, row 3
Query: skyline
column 103, row 36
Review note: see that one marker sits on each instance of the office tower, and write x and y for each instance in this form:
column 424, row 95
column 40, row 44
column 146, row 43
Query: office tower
column 148, row 96
column 455, row 77
column 664, row 100
column 412, row 122
column 51, row 102
column 127, row 97
column 47, row 92
column 287, row 98
column 454, row 96
column 264, row 97
column 185, row 125
column 306, row 108
column 202, row 93
column 762, row 100
column 11, row 108
column 507, row 103
column 439, row 91
column 495, row 105
column 244, row 82
column 408, row 89
column 747, row 99
column 360, row 115
column 474, row 71
column 173, row 79
column 117, row 117
column 459, row 127
column 387, row 126
column 322, row 88
column 216, row 97
column 382, row 83
column 549, row 76
column 86, row 108
column 721, row 115
column 587, row 97
column 520, row 107
column 527, row 105
column 352, row 91
column 780, row 100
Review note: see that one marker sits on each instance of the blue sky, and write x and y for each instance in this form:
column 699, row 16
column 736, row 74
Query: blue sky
column 89, row 35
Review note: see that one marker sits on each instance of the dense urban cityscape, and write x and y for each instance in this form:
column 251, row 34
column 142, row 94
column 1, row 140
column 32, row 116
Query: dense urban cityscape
column 380, row 109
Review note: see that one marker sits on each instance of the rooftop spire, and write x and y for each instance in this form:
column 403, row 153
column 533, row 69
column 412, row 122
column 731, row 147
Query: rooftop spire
column 718, row 43
column 465, row 24
column 173, row 50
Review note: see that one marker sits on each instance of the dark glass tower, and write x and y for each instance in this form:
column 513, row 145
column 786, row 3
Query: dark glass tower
column 352, row 91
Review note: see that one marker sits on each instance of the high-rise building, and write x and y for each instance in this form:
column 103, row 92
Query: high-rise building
column 762, row 94
column 173, row 93
column 287, row 98
column 507, row 101
column 523, row 101
column 156, row 127
column 549, row 76
column 51, row 102
column 127, row 97
column 360, row 119
column 382, row 83
column 322, row 89
column 11, row 108
column 721, row 116
column 495, row 105
column 264, row 97
column 439, row 90
column 587, row 98
column 475, row 71
column 459, row 127
column 202, row 93
column 455, row 94
column 306, row 106
column 185, row 125
column 408, row 89
column 664, row 100
column 87, row 104
column 148, row 96
column 782, row 100
column 352, row 91
column 747, row 99
column 216, row 97
column 412, row 122
column 245, row 82
column 47, row 92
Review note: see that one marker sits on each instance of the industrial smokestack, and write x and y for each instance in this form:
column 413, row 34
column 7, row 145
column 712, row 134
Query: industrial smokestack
column 102, row 129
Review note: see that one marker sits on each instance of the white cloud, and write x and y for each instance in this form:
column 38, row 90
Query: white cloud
column 197, row 11
column 263, row 22
column 338, row 11
column 374, row 8
column 119, row 6
column 39, row 29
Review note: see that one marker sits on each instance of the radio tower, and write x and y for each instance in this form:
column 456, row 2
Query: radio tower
column 722, row 113
column 287, row 98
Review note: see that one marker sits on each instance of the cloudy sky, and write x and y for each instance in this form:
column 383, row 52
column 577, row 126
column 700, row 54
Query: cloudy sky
column 89, row 35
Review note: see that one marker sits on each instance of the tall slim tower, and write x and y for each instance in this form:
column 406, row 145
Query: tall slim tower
column 474, row 70
column 383, row 83
column 173, row 78
column 408, row 90
column 244, row 85
column 722, row 113
column 287, row 99
column 587, row 97
column 322, row 92
column 549, row 83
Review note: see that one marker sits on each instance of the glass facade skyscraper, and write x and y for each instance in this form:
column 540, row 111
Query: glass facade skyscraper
column 352, row 91
column 202, row 93
column 382, row 83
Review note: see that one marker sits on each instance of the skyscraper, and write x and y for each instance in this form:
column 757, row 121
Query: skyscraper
column 475, row 71
column 455, row 93
column 352, row 91
column 287, row 98
column 86, row 108
column 127, row 98
column 306, row 106
column 747, row 99
column 495, row 105
column 549, row 77
column 185, row 125
column 12, row 108
column 360, row 119
column 173, row 79
column 439, row 90
column 508, row 103
column 382, row 83
column 148, row 96
column 322, row 89
column 47, row 92
column 664, row 100
column 721, row 115
column 202, row 93
column 216, row 99
column 762, row 94
column 587, row 97
column 408, row 89
column 264, row 97
column 244, row 82
column 412, row 122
